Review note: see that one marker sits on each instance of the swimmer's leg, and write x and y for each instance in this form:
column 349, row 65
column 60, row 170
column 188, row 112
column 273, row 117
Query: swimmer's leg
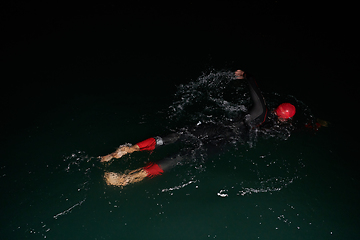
column 169, row 162
column 121, row 151
column 118, row 179
column 171, row 138
column 150, row 170
column 146, row 145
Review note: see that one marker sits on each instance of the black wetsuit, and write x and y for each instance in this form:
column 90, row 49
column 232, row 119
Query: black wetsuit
column 258, row 113
column 215, row 135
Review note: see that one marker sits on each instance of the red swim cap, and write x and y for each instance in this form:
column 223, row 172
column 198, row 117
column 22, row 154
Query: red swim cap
column 285, row 110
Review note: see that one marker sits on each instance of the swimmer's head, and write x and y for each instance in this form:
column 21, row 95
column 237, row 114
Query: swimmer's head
column 285, row 111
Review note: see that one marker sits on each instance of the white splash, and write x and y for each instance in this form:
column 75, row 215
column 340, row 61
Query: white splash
column 222, row 194
column 178, row 187
column 69, row 209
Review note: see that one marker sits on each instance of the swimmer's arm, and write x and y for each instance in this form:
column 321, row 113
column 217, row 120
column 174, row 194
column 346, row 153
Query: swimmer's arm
column 259, row 105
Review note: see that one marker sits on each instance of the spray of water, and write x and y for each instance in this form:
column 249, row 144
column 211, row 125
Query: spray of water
column 211, row 99
column 75, row 169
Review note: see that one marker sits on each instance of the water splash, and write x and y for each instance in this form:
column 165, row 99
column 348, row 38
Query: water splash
column 270, row 185
column 204, row 99
column 223, row 193
column 216, row 98
column 69, row 209
column 75, row 168
column 170, row 189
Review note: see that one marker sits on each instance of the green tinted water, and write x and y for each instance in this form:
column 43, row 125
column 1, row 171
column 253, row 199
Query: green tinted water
column 294, row 189
column 85, row 95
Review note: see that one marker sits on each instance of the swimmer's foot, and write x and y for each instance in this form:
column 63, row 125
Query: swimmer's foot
column 121, row 151
column 125, row 149
column 116, row 179
column 106, row 158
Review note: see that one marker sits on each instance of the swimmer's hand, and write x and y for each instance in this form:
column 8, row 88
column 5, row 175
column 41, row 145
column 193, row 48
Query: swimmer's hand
column 239, row 74
column 120, row 180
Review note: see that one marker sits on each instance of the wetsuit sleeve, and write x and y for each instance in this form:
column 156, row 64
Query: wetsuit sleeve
column 258, row 111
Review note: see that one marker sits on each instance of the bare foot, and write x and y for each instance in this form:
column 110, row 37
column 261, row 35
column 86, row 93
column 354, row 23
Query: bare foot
column 121, row 151
column 117, row 179
column 106, row 158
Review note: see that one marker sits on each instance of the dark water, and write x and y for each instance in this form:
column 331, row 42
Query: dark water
column 91, row 82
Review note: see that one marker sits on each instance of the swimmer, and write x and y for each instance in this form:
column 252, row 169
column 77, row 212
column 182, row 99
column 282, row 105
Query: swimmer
column 211, row 134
